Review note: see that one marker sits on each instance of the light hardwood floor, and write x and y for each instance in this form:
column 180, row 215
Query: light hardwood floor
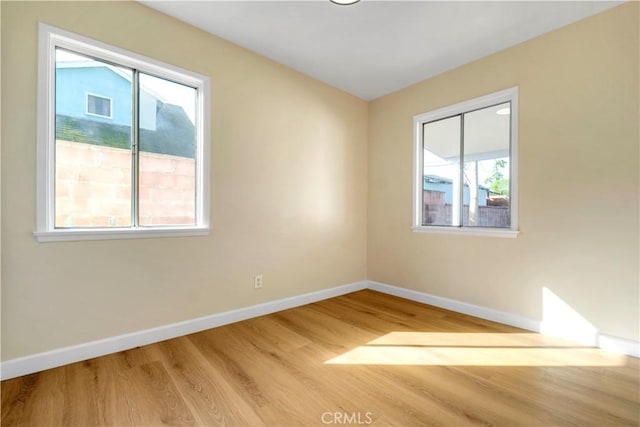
column 361, row 358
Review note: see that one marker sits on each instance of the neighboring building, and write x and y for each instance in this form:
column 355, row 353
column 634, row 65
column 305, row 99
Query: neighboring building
column 438, row 184
column 93, row 105
column 437, row 208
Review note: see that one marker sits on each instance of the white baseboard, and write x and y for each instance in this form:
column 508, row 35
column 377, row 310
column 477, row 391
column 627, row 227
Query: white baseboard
column 618, row 345
column 64, row 356
column 603, row 341
column 457, row 306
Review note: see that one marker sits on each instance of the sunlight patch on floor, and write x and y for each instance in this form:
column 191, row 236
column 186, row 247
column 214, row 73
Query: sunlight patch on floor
column 470, row 339
column 469, row 349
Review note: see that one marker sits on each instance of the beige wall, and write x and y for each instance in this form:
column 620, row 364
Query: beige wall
column 288, row 191
column 578, row 167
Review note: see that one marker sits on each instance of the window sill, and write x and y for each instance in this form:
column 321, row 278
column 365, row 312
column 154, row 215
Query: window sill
column 468, row 231
column 67, row 235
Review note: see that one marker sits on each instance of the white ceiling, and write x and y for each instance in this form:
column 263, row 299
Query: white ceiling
column 376, row 47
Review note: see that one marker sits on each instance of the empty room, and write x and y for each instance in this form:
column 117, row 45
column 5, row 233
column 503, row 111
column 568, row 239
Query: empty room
column 320, row 213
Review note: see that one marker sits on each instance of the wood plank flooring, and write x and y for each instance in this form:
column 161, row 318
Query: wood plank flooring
column 362, row 358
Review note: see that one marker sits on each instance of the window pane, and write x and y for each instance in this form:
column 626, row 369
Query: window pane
column 167, row 183
column 486, row 167
column 98, row 105
column 441, row 179
column 92, row 153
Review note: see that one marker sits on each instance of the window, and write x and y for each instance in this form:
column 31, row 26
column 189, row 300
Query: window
column 123, row 143
column 98, row 105
column 465, row 167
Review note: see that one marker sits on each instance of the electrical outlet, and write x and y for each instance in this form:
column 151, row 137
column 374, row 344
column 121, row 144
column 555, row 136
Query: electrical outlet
column 257, row 281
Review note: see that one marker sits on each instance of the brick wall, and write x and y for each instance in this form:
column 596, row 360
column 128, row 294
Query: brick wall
column 93, row 187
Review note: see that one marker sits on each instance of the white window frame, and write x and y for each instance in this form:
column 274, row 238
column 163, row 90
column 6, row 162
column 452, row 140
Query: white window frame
column 95, row 95
column 507, row 95
column 51, row 37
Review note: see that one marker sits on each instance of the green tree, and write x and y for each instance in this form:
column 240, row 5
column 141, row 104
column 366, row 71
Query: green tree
column 497, row 183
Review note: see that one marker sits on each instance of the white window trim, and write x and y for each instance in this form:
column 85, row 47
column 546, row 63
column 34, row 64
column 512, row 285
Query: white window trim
column 462, row 107
column 110, row 116
column 51, row 37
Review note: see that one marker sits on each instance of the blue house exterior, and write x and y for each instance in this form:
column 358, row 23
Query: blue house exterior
column 94, row 106
column 75, row 81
